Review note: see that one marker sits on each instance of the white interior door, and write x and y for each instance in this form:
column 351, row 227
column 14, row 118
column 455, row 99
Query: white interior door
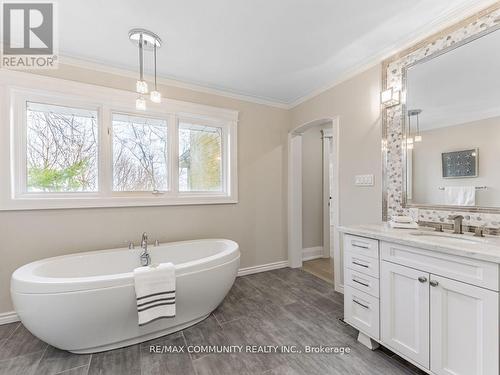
column 404, row 311
column 464, row 329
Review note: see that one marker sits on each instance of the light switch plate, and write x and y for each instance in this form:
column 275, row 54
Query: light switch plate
column 364, row 180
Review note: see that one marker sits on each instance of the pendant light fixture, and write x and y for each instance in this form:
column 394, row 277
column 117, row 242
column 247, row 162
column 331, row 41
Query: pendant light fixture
column 416, row 113
column 418, row 137
column 409, row 138
column 141, row 85
column 155, row 95
column 145, row 40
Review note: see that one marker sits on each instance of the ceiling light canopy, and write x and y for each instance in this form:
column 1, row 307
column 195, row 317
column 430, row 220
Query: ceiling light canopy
column 149, row 39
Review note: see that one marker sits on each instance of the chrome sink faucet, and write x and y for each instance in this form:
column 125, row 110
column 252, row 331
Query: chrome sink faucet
column 145, row 258
column 457, row 226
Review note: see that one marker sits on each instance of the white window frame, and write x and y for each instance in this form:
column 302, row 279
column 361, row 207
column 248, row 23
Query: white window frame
column 20, row 142
column 18, row 88
column 225, row 151
column 151, row 115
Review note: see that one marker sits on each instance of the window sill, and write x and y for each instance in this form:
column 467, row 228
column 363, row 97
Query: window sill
column 20, row 204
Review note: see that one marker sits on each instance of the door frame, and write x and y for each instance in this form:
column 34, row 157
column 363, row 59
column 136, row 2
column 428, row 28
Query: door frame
column 295, row 197
column 327, row 141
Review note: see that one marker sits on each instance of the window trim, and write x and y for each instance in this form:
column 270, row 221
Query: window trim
column 17, row 88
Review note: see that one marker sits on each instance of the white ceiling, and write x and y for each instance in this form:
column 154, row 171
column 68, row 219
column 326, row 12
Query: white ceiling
column 276, row 50
column 457, row 87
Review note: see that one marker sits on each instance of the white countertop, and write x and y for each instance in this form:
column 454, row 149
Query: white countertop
column 487, row 248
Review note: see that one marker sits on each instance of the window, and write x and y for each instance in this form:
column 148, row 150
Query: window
column 140, row 153
column 61, row 152
column 87, row 146
column 200, row 157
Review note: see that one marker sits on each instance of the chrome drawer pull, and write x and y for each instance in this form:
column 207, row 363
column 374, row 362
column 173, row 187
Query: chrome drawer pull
column 434, row 283
column 361, row 304
column 360, row 264
column 361, row 246
column 422, row 279
column 359, row 282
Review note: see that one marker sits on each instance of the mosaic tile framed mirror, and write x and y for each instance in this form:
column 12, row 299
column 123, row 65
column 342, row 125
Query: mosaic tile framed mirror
column 449, row 110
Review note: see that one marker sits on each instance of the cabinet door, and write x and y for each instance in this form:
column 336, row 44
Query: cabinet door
column 404, row 311
column 464, row 328
column 362, row 311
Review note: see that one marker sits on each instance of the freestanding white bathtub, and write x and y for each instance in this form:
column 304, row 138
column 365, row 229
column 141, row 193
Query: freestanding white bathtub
column 85, row 302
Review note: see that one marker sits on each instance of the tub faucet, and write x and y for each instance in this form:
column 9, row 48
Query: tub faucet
column 457, row 223
column 145, row 258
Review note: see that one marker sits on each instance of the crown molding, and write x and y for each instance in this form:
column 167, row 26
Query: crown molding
column 86, row 64
column 446, row 20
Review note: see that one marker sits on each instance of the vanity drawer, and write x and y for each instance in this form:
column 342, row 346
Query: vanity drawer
column 470, row 271
column 361, row 263
column 362, row 311
column 361, row 245
column 362, row 282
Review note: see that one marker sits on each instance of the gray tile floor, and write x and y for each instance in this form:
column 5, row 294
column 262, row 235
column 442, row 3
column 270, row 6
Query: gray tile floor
column 281, row 307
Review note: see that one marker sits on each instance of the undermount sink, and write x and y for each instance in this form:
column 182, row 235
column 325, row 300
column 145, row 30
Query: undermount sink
column 449, row 237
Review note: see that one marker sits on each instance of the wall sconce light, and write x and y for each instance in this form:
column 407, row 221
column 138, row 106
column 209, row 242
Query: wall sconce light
column 390, row 97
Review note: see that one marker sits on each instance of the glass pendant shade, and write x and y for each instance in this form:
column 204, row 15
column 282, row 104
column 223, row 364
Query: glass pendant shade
column 140, row 103
column 155, row 96
column 141, row 87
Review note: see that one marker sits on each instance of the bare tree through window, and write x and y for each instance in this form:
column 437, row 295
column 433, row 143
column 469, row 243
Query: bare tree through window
column 140, row 153
column 61, row 149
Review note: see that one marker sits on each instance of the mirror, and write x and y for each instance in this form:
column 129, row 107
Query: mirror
column 452, row 127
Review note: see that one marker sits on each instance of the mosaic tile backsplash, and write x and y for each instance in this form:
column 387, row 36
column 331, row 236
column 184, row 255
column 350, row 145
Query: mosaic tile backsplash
column 394, row 133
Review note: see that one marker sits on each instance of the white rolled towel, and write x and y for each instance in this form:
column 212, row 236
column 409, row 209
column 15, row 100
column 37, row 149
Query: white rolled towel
column 155, row 292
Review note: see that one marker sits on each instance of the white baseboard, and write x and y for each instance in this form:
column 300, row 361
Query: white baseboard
column 8, row 317
column 262, row 268
column 310, row 253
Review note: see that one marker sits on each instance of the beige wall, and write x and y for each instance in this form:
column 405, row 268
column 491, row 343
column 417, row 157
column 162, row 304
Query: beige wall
column 257, row 222
column 427, row 172
column 312, row 188
column 356, row 102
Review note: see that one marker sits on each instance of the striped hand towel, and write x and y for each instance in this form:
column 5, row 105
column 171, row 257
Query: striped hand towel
column 155, row 292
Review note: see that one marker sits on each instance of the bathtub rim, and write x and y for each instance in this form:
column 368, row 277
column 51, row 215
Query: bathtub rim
column 24, row 281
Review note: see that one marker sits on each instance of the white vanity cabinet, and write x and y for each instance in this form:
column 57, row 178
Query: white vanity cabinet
column 404, row 311
column 361, row 284
column 464, row 328
column 437, row 310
